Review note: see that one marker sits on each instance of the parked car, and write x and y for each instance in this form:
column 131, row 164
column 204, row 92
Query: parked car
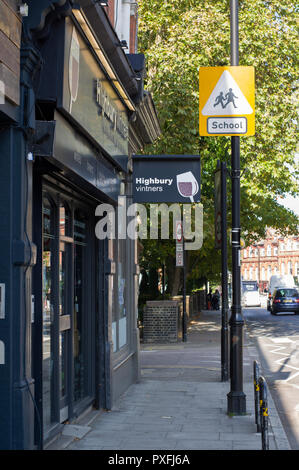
column 279, row 280
column 285, row 300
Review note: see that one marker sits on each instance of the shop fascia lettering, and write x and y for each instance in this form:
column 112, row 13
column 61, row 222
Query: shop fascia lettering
column 109, row 110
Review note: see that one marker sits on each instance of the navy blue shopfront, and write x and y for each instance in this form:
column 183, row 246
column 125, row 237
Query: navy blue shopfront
column 85, row 339
column 69, row 339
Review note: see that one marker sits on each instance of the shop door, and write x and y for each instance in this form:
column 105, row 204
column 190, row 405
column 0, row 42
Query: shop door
column 65, row 274
column 68, row 307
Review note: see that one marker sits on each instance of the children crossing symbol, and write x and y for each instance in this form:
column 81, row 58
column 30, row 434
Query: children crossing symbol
column 222, row 100
column 226, row 101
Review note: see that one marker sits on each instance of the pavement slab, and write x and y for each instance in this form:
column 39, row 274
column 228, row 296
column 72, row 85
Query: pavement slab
column 180, row 402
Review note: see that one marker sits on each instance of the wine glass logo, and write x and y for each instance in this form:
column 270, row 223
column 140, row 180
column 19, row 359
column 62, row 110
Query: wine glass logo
column 74, row 68
column 187, row 185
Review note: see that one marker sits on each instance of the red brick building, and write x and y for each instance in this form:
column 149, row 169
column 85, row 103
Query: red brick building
column 273, row 255
column 123, row 16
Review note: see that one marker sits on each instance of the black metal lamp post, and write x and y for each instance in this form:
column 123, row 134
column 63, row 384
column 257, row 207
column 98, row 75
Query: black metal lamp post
column 236, row 396
column 224, row 278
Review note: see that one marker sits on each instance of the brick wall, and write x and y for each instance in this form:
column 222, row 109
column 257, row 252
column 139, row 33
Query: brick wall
column 194, row 303
column 110, row 11
column 160, row 321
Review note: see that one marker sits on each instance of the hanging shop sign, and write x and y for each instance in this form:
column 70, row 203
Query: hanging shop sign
column 226, row 101
column 89, row 98
column 166, row 178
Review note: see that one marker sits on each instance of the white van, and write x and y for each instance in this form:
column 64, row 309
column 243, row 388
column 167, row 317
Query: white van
column 250, row 294
column 279, row 280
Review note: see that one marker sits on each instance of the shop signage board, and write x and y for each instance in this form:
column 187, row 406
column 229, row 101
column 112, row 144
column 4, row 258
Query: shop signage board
column 75, row 153
column 166, row 178
column 89, row 98
column 226, row 101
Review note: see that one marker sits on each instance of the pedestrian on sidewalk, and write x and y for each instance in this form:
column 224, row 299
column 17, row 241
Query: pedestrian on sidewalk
column 209, row 300
column 216, row 300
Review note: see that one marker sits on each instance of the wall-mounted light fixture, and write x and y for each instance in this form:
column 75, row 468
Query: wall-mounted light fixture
column 123, row 44
column 23, row 9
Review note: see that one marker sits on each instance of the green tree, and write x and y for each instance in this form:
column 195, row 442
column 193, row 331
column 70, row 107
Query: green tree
column 178, row 37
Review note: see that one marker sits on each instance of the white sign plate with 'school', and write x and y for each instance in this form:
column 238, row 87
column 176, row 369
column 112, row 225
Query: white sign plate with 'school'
column 225, row 125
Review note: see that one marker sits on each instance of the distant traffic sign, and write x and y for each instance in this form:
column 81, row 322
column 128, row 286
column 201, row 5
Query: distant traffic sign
column 226, row 101
column 179, row 244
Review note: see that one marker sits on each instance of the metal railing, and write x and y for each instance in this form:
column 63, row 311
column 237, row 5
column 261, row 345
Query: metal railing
column 261, row 405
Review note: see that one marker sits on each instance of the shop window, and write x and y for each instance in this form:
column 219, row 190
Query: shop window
column 80, row 318
column 119, row 314
column 48, row 311
column 121, row 279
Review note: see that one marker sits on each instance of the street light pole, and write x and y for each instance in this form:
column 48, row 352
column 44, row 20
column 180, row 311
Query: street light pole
column 224, row 278
column 236, row 397
column 184, row 329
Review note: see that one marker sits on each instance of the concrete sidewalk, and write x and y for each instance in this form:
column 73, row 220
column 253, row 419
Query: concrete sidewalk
column 179, row 403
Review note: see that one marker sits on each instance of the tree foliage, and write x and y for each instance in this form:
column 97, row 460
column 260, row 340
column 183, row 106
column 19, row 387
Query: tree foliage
column 178, row 37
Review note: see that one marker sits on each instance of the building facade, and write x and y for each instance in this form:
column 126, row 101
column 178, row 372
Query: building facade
column 274, row 255
column 68, row 326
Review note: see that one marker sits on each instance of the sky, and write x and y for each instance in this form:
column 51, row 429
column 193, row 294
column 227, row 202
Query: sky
column 291, row 203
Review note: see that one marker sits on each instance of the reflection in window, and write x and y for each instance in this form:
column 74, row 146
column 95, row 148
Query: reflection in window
column 80, row 237
column 121, row 293
column 64, row 221
column 48, row 246
column 62, row 272
column 64, row 275
column 119, row 314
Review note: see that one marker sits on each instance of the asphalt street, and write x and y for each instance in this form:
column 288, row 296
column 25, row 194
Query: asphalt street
column 277, row 338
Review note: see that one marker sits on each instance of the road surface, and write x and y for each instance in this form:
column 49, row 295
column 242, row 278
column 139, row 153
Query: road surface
column 277, row 338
